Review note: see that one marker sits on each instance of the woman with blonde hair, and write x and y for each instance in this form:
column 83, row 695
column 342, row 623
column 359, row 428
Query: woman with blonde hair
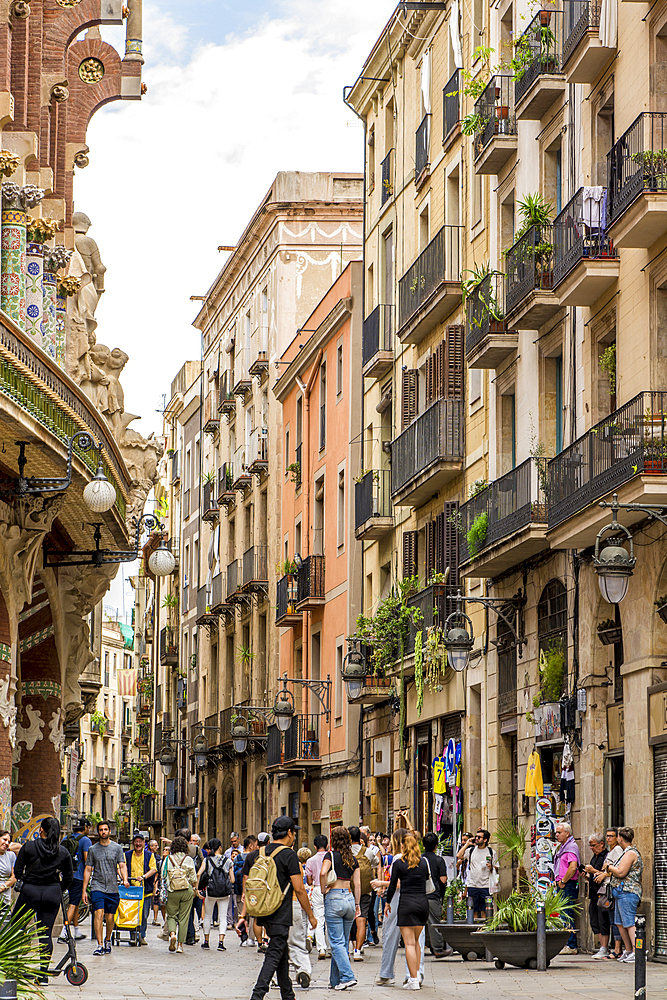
column 341, row 904
column 412, row 871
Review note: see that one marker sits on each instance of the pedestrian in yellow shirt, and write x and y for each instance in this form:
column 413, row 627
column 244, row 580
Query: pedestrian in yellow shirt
column 141, row 868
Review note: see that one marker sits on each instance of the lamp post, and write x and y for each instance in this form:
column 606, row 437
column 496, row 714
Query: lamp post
column 200, row 750
column 283, row 707
column 160, row 563
column 354, row 670
column 459, row 636
column 614, row 563
column 167, row 758
column 124, row 783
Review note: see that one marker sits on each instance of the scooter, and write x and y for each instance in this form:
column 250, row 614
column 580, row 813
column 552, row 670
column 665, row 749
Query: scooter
column 76, row 973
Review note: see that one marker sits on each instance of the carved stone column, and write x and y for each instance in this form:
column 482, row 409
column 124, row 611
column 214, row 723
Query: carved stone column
column 134, row 32
column 15, row 203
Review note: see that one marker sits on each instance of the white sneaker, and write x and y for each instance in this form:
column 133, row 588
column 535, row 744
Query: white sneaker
column 346, row 986
column 602, row 953
column 358, row 956
column 384, row 981
column 629, row 959
column 624, row 954
column 78, row 934
column 412, row 984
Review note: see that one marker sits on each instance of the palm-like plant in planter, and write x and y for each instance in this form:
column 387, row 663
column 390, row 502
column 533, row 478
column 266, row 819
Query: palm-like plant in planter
column 511, row 935
column 20, row 951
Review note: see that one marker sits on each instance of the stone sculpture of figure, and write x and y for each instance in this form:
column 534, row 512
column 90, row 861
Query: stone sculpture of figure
column 102, row 385
column 89, row 250
column 95, row 385
column 81, row 322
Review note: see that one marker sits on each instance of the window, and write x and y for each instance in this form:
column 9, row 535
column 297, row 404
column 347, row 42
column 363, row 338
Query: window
column 475, row 386
column 388, row 297
column 341, row 509
column 323, row 405
column 370, row 159
column 552, row 624
column 287, row 451
column 338, row 697
column 507, row 658
column 423, row 228
column 265, row 320
column 339, row 369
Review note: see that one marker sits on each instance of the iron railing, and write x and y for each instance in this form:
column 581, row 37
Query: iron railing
column 286, row 595
column 579, row 234
column 255, row 565
column 232, row 579
column 372, row 496
column 175, row 475
column 435, row 602
column 377, row 333
column 485, row 310
column 387, row 170
column 169, row 646
column 529, row 265
column 226, row 398
column 515, row 500
column 218, row 590
column 203, row 601
column 274, row 747
column 310, row 578
column 435, row 435
column 226, row 478
column 301, row 739
column 299, row 467
column 422, row 145
column 637, row 162
column 579, row 16
column 450, row 104
column 209, row 502
column 507, row 681
column 630, row 441
column 538, row 50
column 470, row 513
column 437, row 263
column 181, row 693
column 495, row 106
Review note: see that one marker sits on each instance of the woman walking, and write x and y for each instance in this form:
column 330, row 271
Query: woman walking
column 45, row 870
column 180, row 876
column 626, row 883
column 216, row 876
column 412, row 871
column 7, row 862
column 341, row 905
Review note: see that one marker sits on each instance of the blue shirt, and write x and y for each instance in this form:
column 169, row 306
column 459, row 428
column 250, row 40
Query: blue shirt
column 85, row 843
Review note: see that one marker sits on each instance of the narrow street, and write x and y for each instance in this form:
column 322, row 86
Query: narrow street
column 153, row 972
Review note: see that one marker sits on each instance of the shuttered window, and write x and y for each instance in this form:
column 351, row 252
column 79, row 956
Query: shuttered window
column 453, row 365
column 409, row 553
column 409, row 397
column 660, row 855
column 451, row 541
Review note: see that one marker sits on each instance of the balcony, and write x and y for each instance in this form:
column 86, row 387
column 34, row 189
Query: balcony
column 515, row 508
column 169, row 647
column 375, row 689
column 637, row 173
column 226, row 398
column 226, row 492
column 233, row 587
column 435, row 602
column 97, row 774
column 210, row 510
column 496, row 141
column 422, row 150
column 260, row 365
column 242, row 478
column 258, row 452
column 585, row 261
column 181, row 694
column 300, row 746
column 372, row 506
column 126, row 731
column 625, row 453
column 286, row 595
column 185, row 504
column 211, row 417
column 450, row 107
column 488, row 341
column 242, row 381
column 377, row 348
column 538, row 54
column 428, row 454
column 110, row 776
column 529, row 297
column 387, row 170
column 431, row 288
column 205, row 617
column 175, row 471
column 584, row 55
column 310, row 592
column 174, row 546
column 255, row 570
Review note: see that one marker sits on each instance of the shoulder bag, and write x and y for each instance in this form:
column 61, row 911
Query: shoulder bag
column 430, row 885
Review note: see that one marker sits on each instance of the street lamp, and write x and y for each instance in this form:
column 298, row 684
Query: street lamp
column 167, row 759
column 458, row 642
column 161, row 562
column 99, row 495
column 124, row 783
column 283, row 707
column 459, row 637
column 200, row 750
column 354, row 670
column 240, row 736
column 614, row 564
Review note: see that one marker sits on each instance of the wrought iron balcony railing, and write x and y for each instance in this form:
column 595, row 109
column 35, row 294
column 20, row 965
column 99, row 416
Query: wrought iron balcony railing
column 529, row 265
column 372, row 496
column 579, row 234
column 579, row 16
column 437, row 434
column 422, row 146
column 310, row 579
column 377, row 333
column 255, row 568
column 437, row 263
column 301, row 739
column 495, row 108
column 169, row 646
column 538, row 50
column 286, row 598
column 451, row 103
column 485, row 310
column 637, row 162
column 387, row 171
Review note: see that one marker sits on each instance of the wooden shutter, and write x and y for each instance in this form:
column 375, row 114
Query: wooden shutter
column 409, row 397
column 439, row 527
column 453, row 374
column 451, row 541
column 429, row 554
column 409, row 553
column 439, row 367
column 430, row 388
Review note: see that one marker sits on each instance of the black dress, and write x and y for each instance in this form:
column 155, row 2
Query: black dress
column 413, row 901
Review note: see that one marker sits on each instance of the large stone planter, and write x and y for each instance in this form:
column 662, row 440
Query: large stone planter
column 520, row 947
column 8, row 990
column 464, row 939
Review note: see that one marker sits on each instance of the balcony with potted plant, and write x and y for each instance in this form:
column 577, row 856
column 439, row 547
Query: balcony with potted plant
column 226, row 492
column 369, row 686
column 226, row 398
column 210, row 509
column 585, row 55
column 488, row 341
column 585, row 259
column 529, row 297
column 377, row 347
column 536, row 65
column 609, row 633
column 637, row 171
column 431, row 287
column 287, row 614
column 495, row 126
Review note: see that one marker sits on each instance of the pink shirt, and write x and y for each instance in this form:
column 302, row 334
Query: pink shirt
column 564, row 862
column 313, row 867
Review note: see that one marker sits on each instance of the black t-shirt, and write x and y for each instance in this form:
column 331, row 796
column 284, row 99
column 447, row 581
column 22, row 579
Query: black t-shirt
column 413, row 880
column 597, row 862
column 287, row 864
column 341, row 869
column 438, row 871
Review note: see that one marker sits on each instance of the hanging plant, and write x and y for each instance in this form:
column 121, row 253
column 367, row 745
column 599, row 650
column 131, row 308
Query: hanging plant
column 476, row 534
column 139, row 789
column 552, row 671
column 434, row 656
column 419, row 672
column 98, row 721
column 607, row 364
column 386, row 632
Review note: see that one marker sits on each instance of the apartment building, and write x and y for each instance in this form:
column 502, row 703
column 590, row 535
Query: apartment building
column 302, row 236
column 319, row 590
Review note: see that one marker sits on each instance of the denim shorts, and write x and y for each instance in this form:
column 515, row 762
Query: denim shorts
column 626, row 907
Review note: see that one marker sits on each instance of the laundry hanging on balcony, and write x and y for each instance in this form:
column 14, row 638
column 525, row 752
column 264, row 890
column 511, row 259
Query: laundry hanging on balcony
column 454, row 35
column 609, row 23
column 592, row 210
column 567, row 783
column 426, row 81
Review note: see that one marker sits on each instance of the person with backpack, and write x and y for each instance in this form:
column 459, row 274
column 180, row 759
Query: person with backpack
column 366, row 860
column 180, row 877
column 262, row 840
column 78, row 844
column 273, row 879
column 217, row 878
column 142, row 869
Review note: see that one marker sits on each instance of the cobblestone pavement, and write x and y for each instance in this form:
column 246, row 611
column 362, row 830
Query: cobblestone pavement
column 131, row 974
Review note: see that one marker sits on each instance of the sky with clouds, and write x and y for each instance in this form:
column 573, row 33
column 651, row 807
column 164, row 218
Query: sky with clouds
column 236, row 92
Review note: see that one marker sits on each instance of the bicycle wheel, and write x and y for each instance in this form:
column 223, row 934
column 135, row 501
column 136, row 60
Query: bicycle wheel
column 84, row 911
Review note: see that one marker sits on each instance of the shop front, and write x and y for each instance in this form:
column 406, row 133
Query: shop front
column 657, row 738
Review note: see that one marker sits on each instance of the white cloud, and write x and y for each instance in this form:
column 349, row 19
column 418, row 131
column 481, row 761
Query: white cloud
column 180, row 173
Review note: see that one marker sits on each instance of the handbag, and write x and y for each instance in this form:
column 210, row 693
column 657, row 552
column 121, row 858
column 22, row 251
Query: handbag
column 18, row 885
column 430, row 885
column 606, row 896
column 332, row 875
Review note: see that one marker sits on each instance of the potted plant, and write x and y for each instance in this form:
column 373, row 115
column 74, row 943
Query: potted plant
column 511, row 935
column 661, row 607
column 609, row 632
column 476, row 534
column 460, row 935
column 20, row 954
column 552, row 672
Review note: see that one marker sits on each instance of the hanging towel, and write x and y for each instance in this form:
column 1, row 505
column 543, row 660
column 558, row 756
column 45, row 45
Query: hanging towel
column 566, row 793
column 454, row 34
column 608, row 24
column 534, row 783
column 592, row 205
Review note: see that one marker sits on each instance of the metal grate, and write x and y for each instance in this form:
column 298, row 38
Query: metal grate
column 637, row 162
column 529, row 265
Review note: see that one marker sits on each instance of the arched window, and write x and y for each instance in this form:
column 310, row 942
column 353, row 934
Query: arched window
column 552, row 629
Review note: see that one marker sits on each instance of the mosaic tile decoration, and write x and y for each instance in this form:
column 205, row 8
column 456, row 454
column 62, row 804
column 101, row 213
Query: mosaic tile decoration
column 35, row 639
column 49, row 340
column 44, row 688
column 34, row 295
column 12, row 267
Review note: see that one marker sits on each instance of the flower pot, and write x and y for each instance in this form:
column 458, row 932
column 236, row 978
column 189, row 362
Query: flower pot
column 662, row 611
column 502, row 111
column 464, row 939
column 497, row 89
column 545, row 18
column 654, row 465
column 610, row 636
column 520, row 947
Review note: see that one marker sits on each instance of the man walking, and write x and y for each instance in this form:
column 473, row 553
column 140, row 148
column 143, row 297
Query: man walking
column 481, row 860
column 277, row 925
column 235, row 845
column 101, row 874
column 439, row 875
column 142, row 870
column 567, row 862
column 82, row 835
column 312, row 869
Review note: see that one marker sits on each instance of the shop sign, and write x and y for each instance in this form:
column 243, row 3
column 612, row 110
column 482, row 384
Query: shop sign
column 382, row 756
column 336, row 814
column 657, row 714
column 316, row 816
column 615, row 727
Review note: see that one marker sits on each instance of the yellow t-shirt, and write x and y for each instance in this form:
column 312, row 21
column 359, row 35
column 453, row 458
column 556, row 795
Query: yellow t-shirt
column 439, row 777
column 137, row 870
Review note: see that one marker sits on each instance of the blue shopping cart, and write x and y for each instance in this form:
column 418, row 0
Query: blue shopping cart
column 128, row 914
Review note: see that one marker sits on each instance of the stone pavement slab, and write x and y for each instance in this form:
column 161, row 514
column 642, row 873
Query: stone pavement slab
column 155, row 973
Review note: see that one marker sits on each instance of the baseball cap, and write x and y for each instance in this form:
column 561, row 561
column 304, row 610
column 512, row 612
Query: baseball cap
column 263, row 838
column 137, row 833
column 282, row 825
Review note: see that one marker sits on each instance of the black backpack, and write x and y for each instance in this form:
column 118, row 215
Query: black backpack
column 71, row 843
column 218, row 882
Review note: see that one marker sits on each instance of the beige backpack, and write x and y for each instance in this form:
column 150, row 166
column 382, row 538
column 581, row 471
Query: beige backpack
column 176, row 876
